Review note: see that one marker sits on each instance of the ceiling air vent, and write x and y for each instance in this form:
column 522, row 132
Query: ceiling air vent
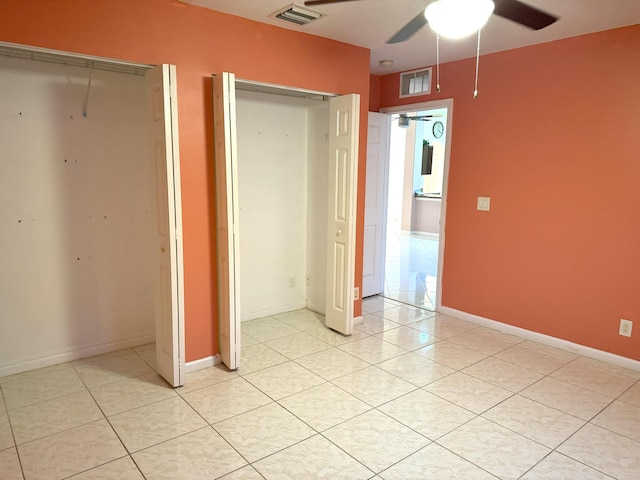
column 297, row 14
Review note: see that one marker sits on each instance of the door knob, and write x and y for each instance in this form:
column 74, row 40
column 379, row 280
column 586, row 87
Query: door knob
column 338, row 233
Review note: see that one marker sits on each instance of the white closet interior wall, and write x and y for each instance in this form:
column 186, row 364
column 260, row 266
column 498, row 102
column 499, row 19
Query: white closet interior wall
column 78, row 213
column 282, row 171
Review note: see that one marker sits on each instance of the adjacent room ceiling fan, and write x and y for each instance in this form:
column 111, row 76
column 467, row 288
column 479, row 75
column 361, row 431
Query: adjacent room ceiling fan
column 404, row 119
column 513, row 10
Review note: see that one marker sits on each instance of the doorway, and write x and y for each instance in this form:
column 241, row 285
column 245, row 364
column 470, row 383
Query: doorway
column 415, row 180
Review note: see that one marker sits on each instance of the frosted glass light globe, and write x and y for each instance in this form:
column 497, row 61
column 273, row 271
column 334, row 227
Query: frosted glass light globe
column 458, row 18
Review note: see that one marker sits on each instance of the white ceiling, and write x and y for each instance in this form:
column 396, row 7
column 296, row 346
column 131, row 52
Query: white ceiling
column 370, row 23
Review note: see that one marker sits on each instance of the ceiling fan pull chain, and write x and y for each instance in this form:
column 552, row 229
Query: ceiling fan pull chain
column 475, row 92
column 437, row 63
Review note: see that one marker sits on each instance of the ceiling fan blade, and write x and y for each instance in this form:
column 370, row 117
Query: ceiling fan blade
column 409, row 29
column 311, row 3
column 425, row 117
column 523, row 14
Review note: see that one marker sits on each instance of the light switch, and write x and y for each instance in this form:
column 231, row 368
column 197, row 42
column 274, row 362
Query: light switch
column 484, row 203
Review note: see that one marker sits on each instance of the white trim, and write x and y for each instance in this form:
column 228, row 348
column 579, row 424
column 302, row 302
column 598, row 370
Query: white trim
column 203, row 363
column 358, row 320
column 76, row 354
column 583, row 350
column 432, row 105
column 415, row 107
column 272, row 311
column 314, row 307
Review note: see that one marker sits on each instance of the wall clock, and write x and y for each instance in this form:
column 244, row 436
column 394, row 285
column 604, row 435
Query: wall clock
column 438, row 129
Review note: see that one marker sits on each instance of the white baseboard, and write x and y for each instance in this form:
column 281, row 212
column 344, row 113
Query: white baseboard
column 272, row 311
column 426, row 235
column 203, row 363
column 76, row 354
column 358, row 320
column 314, row 307
column 583, row 350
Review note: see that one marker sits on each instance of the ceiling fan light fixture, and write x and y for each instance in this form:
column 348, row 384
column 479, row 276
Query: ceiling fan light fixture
column 458, row 18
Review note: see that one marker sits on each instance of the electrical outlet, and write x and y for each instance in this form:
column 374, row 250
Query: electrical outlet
column 356, row 293
column 292, row 282
column 625, row 327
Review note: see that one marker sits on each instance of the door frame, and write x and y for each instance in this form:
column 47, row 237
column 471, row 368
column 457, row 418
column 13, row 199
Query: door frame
column 432, row 105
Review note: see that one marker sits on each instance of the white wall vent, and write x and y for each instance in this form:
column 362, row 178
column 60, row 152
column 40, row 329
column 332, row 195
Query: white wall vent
column 416, row 82
column 297, row 14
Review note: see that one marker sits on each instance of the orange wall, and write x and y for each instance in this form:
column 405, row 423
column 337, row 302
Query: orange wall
column 199, row 42
column 374, row 93
column 553, row 140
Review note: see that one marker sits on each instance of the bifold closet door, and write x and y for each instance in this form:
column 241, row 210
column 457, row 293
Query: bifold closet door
column 169, row 282
column 344, row 114
column 227, row 215
column 341, row 220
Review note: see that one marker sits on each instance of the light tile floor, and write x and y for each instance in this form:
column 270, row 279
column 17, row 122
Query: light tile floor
column 411, row 268
column 411, row 395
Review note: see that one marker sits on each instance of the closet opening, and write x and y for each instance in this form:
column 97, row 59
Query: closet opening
column 83, row 178
column 286, row 234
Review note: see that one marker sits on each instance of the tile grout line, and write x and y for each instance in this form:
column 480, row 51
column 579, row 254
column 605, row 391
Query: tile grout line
column 13, row 436
column 575, row 360
column 376, row 408
column 329, row 382
column 548, row 375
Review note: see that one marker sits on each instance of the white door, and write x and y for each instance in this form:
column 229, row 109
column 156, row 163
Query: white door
column 224, row 124
column 375, row 225
column 169, row 282
column 341, row 226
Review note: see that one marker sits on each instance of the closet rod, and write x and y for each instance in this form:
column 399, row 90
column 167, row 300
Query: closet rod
column 13, row 50
column 254, row 86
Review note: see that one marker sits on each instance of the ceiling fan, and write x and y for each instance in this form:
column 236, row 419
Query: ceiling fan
column 404, row 119
column 513, row 10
